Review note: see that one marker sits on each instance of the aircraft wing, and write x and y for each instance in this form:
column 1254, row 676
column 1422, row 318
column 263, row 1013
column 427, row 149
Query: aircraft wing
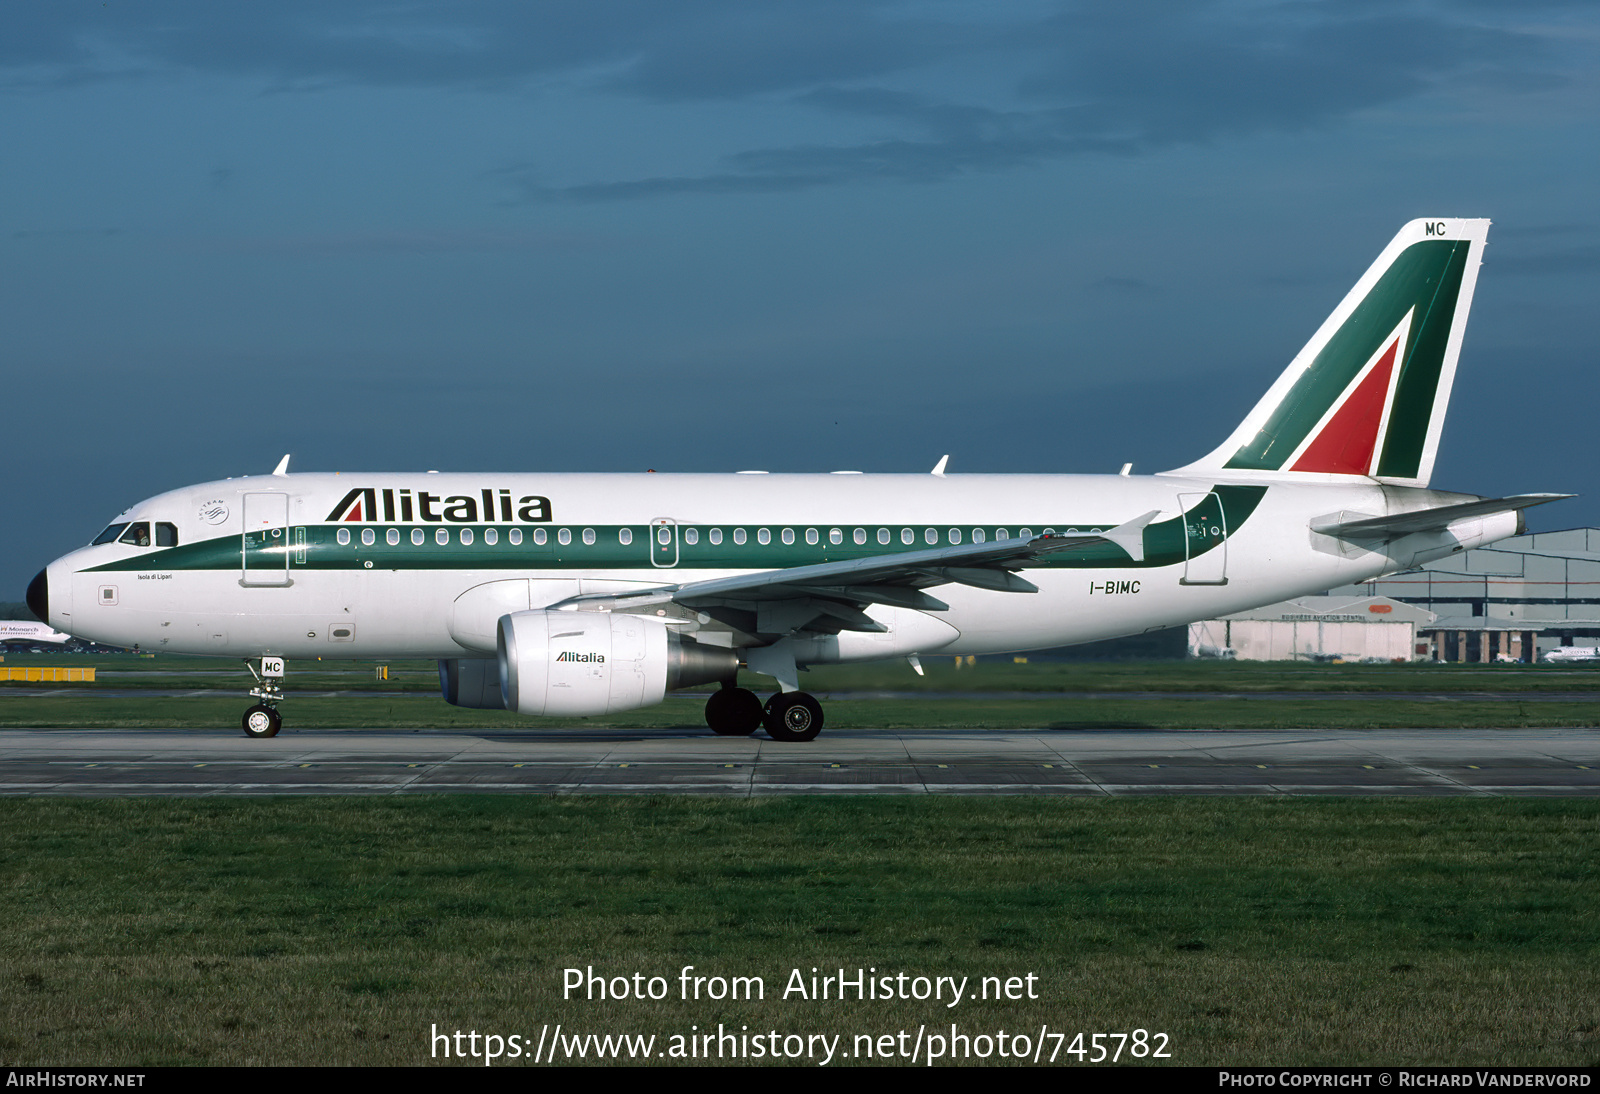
column 838, row 590
column 1426, row 520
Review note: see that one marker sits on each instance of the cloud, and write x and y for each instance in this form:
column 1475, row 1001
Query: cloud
column 1580, row 260
column 1097, row 77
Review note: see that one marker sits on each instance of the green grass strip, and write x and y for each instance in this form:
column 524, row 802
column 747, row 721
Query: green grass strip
column 336, row 931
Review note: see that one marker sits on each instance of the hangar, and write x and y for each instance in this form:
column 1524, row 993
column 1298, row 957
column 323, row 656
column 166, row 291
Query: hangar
column 1523, row 596
column 1514, row 601
column 1357, row 627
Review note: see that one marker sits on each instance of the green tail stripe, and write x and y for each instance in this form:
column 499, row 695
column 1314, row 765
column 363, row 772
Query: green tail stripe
column 1426, row 277
column 1419, row 381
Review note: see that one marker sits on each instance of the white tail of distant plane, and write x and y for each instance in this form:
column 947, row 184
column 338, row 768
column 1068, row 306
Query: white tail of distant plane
column 1367, row 395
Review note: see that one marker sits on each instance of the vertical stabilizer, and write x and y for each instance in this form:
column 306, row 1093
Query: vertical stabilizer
column 1367, row 395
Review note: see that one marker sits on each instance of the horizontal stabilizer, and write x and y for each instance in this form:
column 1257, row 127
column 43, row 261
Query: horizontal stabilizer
column 1427, row 520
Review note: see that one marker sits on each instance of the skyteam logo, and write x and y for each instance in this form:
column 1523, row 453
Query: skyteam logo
column 368, row 505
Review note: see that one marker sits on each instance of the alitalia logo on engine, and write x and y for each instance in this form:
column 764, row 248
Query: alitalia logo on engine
column 367, row 505
column 596, row 658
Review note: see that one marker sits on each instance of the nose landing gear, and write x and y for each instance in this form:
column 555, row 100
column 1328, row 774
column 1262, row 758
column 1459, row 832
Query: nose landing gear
column 263, row 719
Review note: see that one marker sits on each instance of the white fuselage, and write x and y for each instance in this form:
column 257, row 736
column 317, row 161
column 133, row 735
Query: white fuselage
column 259, row 568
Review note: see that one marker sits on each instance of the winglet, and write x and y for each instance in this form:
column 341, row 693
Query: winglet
column 1130, row 536
column 938, row 468
column 283, row 466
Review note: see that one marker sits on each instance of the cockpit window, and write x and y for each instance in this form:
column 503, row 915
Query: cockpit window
column 138, row 534
column 108, row 535
column 166, row 535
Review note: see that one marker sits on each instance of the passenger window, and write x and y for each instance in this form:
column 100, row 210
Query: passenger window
column 860, row 536
column 763, row 537
column 491, row 536
column 417, row 536
column 138, row 534
column 588, row 537
column 907, row 536
column 931, row 535
column 466, row 535
column 109, row 535
column 515, row 536
column 564, row 536
column 166, row 535
column 883, row 535
column 624, row 536
column 955, row 535
column 788, row 535
column 392, row 536
column 811, row 536
column 441, row 536
column 539, row 536
column 739, row 536
column 367, row 537
column 977, row 535
column 1000, row 533
column 691, row 536
column 343, row 536
column 716, row 536
column 1026, row 533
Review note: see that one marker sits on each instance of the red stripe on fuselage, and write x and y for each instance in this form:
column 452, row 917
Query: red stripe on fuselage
column 1346, row 443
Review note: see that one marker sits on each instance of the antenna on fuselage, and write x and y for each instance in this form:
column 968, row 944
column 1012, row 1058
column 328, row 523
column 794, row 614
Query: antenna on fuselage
column 938, row 468
column 282, row 469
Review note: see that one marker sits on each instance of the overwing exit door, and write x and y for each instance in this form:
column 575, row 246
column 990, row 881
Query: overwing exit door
column 264, row 550
column 663, row 542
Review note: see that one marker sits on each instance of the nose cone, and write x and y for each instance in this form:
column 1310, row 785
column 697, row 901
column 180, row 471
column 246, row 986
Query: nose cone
column 39, row 597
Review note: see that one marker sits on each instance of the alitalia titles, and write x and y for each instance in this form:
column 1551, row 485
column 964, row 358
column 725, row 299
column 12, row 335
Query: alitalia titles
column 594, row 658
column 368, row 505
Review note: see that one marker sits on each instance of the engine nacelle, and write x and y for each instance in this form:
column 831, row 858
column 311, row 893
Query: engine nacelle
column 472, row 682
column 579, row 664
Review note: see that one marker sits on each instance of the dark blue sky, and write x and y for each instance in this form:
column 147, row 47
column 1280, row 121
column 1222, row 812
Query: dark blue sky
column 800, row 236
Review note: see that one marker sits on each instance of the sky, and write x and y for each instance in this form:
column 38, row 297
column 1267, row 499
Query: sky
column 715, row 235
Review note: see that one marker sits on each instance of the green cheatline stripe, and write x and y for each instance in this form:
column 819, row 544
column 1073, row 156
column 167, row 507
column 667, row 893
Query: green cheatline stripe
column 1227, row 507
column 1425, row 277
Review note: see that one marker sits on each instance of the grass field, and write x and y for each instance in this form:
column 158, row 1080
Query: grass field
column 947, row 697
column 941, row 674
column 1251, row 931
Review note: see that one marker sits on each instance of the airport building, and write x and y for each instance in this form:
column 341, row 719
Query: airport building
column 1513, row 601
column 1317, row 628
column 1528, row 594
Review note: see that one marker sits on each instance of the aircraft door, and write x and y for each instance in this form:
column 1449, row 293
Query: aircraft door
column 663, row 542
column 264, row 552
column 1205, row 540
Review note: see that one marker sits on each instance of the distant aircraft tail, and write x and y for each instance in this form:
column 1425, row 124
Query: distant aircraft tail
column 1367, row 395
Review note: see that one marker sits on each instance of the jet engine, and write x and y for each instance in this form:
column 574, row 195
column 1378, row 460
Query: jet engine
column 472, row 682
column 580, row 664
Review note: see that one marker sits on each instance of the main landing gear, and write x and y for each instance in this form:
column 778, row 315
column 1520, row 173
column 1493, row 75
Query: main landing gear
column 263, row 719
column 787, row 716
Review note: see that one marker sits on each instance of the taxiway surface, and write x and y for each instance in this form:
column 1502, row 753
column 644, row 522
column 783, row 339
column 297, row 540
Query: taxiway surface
column 593, row 761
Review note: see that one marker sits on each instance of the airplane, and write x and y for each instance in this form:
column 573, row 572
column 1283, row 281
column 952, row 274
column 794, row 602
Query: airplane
column 26, row 632
column 576, row 595
column 1572, row 653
